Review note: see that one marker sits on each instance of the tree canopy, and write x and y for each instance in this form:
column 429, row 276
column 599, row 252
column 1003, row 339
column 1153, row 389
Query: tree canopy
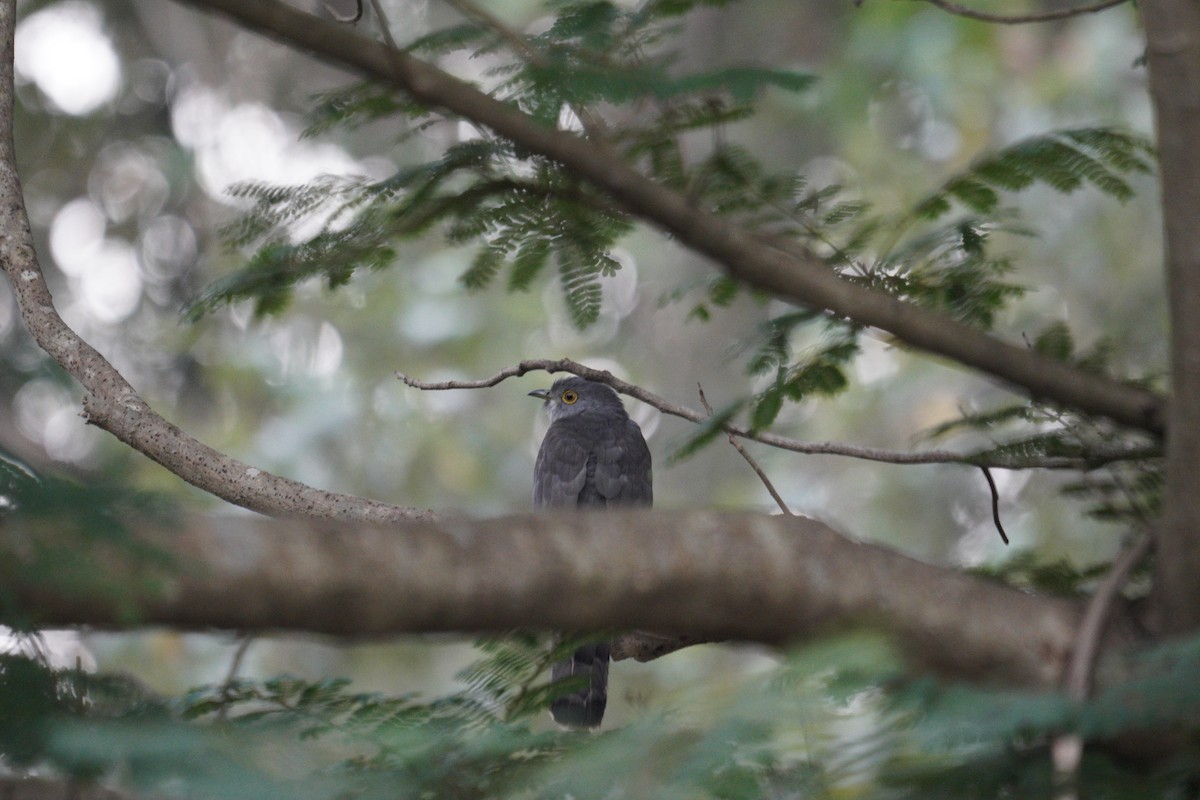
column 886, row 290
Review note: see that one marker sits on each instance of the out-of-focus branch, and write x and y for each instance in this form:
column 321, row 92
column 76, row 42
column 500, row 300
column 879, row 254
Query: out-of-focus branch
column 715, row 575
column 111, row 402
column 1021, row 19
column 643, row 646
column 1067, row 749
column 1077, row 680
column 1098, row 458
column 802, row 278
column 1173, row 56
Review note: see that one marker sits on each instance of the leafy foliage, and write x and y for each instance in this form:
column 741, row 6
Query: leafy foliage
column 830, row 719
column 522, row 211
column 1064, row 161
column 37, row 701
column 1121, row 471
column 58, row 526
column 609, row 70
column 925, row 255
column 996, row 738
column 1026, row 570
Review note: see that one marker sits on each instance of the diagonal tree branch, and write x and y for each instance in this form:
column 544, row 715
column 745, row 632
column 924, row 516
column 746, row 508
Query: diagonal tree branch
column 749, row 459
column 800, row 277
column 112, row 403
column 1067, row 749
column 1091, row 461
column 716, row 575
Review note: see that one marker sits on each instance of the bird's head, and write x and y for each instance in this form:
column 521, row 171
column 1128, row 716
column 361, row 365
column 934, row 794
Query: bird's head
column 571, row 396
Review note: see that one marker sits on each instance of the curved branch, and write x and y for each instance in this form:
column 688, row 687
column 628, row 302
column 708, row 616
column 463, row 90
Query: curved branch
column 987, row 474
column 800, row 277
column 112, row 403
column 1077, row 679
column 1067, row 749
column 715, row 575
column 1020, row 19
column 1091, row 461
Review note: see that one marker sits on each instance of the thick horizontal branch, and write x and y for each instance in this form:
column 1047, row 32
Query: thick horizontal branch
column 713, row 575
column 792, row 274
column 1093, row 459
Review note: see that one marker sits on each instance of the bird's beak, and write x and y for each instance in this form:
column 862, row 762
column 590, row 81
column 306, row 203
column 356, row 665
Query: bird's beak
column 540, row 394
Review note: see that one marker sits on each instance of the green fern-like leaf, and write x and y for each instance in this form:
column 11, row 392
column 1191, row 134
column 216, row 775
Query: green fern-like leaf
column 1063, row 160
column 483, row 269
column 742, row 83
column 705, row 433
column 447, row 40
column 1055, row 341
column 530, row 260
column 580, row 285
column 983, row 420
column 823, row 374
column 767, row 408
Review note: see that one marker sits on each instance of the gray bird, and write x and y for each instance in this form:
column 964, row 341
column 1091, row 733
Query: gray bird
column 592, row 457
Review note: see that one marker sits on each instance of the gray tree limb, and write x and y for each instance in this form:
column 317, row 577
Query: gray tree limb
column 1173, row 54
column 715, row 575
column 793, row 274
column 111, row 402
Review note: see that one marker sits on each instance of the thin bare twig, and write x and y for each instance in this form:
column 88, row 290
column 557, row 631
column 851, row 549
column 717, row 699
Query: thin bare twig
column 1078, row 679
column 385, row 27
column 235, row 666
column 987, row 473
column 1020, row 19
column 762, row 476
column 1091, row 461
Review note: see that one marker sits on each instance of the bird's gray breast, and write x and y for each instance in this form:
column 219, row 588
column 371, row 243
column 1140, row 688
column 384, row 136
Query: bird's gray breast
column 593, row 461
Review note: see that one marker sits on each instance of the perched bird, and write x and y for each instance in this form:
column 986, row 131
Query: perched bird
column 592, row 457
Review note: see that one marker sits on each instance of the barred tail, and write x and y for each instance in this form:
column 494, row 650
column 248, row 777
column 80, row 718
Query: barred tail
column 584, row 707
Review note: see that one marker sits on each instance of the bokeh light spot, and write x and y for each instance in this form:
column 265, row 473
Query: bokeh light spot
column 64, row 50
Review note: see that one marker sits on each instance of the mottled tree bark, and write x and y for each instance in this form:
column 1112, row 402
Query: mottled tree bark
column 714, row 575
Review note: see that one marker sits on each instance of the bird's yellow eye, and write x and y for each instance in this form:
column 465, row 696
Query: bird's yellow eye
column 570, row 396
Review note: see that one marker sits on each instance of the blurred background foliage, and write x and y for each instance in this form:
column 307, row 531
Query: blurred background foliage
column 137, row 118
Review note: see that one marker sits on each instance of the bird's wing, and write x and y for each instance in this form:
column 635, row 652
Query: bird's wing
column 622, row 473
column 560, row 471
